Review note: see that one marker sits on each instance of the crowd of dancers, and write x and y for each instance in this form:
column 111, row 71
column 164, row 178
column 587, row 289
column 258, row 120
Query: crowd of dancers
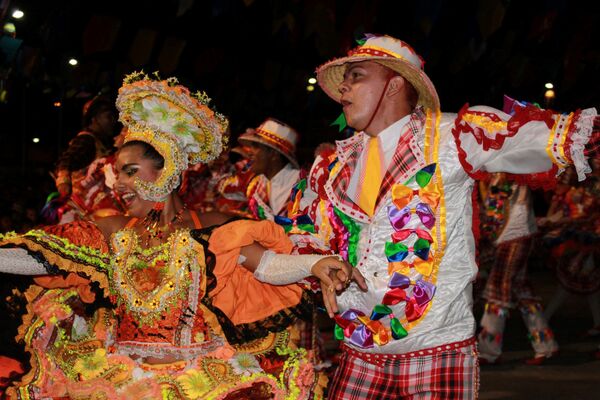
column 174, row 264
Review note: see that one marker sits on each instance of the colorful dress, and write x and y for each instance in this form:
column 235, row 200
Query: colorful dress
column 268, row 199
column 186, row 300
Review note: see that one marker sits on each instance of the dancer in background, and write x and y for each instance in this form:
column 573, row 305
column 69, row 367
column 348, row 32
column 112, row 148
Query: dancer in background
column 272, row 155
column 573, row 222
column 510, row 225
column 80, row 169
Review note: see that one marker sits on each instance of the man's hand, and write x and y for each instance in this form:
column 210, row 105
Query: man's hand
column 335, row 276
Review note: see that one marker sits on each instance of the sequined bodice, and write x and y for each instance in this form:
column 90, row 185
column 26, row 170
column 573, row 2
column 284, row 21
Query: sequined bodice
column 158, row 290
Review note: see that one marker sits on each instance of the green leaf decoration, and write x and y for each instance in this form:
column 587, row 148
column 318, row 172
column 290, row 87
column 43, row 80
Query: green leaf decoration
column 340, row 122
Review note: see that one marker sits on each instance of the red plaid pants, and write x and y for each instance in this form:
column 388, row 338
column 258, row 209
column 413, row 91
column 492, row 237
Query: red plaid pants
column 438, row 374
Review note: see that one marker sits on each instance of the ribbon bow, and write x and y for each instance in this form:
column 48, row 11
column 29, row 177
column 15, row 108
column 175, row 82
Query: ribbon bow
column 424, row 175
column 423, row 267
column 396, row 252
column 402, row 234
column 400, row 217
column 296, row 197
column 302, row 222
column 363, row 331
column 416, row 305
column 402, row 195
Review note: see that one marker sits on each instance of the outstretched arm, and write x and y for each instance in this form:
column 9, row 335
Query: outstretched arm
column 283, row 269
column 533, row 142
column 19, row 262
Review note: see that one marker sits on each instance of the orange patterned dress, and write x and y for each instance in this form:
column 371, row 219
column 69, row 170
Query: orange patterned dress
column 181, row 320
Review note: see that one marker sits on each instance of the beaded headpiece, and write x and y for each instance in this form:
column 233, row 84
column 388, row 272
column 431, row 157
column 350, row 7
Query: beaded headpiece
column 177, row 123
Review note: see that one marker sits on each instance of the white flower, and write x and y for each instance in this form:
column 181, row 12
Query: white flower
column 162, row 115
column 245, row 364
column 137, row 374
column 80, row 327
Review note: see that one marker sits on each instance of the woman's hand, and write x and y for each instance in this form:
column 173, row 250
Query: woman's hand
column 335, row 276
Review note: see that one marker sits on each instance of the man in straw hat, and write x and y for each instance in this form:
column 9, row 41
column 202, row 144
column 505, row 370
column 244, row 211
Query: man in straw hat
column 395, row 202
column 272, row 148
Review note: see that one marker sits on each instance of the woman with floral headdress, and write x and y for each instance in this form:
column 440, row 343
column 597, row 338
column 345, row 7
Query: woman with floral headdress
column 185, row 317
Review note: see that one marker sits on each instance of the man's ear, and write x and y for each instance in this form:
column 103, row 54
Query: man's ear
column 396, row 85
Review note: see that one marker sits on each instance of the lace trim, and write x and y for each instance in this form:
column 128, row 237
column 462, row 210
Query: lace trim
column 154, row 349
column 557, row 139
column 540, row 180
column 284, row 269
column 578, row 136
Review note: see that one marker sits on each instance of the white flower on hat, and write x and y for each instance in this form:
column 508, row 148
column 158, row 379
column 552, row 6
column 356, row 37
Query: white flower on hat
column 158, row 114
column 179, row 125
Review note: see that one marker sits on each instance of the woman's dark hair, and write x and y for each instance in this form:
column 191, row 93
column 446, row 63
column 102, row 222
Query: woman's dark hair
column 149, row 153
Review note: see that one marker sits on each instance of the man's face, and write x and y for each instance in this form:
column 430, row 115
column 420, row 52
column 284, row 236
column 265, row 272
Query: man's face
column 260, row 156
column 361, row 89
column 104, row 123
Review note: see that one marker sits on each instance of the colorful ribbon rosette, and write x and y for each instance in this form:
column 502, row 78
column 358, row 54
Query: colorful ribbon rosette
column 297, row 222
column 366, row 331
column 301, row 222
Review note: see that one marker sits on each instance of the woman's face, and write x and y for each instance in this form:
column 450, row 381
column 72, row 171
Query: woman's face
column 131, row 164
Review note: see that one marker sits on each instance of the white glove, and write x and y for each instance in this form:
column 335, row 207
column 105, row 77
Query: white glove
column 284, row 269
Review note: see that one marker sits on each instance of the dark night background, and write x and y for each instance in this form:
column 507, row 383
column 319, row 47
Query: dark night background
column 253, row 58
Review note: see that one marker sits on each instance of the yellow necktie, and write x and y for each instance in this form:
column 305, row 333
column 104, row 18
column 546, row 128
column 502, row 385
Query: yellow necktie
column 371, row 178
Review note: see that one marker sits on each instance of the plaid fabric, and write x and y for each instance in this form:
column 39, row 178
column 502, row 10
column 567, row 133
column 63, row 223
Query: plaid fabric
column 348, row 156
column 452, row 374
column 350, row 152
column 258, row 196
column 507, row 283
column 403, row 157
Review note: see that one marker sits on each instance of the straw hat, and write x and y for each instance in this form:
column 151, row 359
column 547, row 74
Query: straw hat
column 276, row 135
column 387, row 51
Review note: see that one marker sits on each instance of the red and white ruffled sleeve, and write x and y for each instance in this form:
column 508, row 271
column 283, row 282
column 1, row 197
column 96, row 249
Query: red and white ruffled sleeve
column 533, row 142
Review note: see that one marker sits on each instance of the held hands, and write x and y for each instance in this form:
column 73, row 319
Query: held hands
column 335, row 276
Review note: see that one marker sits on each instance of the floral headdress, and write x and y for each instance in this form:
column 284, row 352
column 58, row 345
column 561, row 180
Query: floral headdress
column 177, row 123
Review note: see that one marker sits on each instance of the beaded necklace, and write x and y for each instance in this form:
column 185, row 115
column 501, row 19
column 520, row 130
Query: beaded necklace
column 150, row 224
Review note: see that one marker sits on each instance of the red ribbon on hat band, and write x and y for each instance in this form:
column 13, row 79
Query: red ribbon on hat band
column 276, row 140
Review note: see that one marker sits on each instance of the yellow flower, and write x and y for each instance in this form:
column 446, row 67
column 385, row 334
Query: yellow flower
column 90, row 367
column 199, row 337
column 194, row 383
